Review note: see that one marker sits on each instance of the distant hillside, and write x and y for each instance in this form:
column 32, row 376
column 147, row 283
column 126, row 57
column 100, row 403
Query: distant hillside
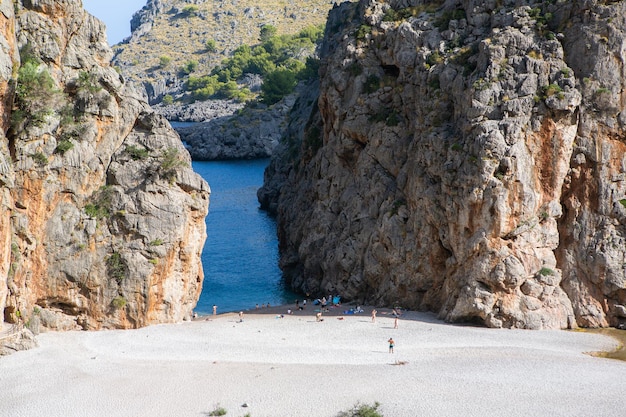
column 169, row 35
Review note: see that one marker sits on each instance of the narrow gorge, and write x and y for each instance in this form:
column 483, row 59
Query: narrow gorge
column 462, row 157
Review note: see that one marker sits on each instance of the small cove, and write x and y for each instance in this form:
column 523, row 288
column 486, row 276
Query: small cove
column 240, row 256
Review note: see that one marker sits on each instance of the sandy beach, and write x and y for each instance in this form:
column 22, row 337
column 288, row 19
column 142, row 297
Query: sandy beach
column 292, row 366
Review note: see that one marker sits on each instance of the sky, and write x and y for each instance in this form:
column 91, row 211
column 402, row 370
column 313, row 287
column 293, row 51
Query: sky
column 116, row 14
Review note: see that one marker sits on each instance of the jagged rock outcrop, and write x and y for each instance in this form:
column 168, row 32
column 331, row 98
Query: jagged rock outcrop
column 143, row 20
column 204, row 111
column 470, row 161
column 8, row 55
column 253, row 132
column 14, row 338
column 102, row 218
column 301, row 125
column 199, row 111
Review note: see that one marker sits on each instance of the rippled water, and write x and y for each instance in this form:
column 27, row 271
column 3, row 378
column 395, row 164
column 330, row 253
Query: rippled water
column 240, row 256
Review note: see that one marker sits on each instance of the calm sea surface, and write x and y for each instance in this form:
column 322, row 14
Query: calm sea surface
column 240, row 256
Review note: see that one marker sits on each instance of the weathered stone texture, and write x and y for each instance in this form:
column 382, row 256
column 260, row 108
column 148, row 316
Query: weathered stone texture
column 251, row 133
column 8, row 55
column 470, row 162
column 102, row 218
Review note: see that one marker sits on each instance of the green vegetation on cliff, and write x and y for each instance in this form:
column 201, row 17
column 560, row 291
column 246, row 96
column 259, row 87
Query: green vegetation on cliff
column 279, row 59
column 170, row 35
column 36, row 95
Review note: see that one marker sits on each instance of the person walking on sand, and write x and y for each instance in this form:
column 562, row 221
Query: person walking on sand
column 374, row 315
column 241, row 317
column 391, row 344
column 214, row 309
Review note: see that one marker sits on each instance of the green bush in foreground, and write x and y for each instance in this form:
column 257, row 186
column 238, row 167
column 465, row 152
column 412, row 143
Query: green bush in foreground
column 100, row 204
column 39, row 158
column 136, row 153
column 219, row 411
column 63, row 146
column 362, row 410
column 164, row 61
column 168, row 99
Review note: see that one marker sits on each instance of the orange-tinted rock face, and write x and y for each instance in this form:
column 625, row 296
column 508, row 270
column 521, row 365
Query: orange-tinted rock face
column 473, row 166
column 7, row 176
column 102, row 219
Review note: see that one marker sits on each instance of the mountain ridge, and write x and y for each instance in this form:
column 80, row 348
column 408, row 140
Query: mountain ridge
column 177, row 32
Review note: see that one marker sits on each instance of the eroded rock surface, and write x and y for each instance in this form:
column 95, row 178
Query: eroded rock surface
column 102, row 217
column 251, row 133
column 468, row 159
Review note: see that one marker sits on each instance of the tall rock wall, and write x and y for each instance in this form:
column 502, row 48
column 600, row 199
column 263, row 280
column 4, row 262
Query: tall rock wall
column 102, row 217
column 8, row 56
column 468, row 160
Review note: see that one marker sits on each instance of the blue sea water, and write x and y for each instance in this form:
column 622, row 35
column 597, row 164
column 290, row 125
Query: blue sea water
column 240, row 256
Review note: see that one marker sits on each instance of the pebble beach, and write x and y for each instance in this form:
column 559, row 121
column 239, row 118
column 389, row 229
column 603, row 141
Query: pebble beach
column 274, row 364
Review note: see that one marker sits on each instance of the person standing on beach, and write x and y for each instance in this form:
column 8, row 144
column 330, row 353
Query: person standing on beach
column 391, row 344
column 374, row 315
column 241, row 317
column 395, row 322
column 214, row 309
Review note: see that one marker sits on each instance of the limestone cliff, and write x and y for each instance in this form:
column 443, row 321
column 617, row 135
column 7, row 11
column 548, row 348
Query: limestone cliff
column 465, row 157
column 251, row 133
column 102, row 218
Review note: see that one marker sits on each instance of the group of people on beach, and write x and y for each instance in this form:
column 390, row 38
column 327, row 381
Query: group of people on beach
column 323, row 302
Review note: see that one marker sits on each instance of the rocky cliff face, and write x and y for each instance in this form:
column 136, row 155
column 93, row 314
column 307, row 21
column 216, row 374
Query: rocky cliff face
column 251, row 133
column 102, row 218
column 468, row 160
